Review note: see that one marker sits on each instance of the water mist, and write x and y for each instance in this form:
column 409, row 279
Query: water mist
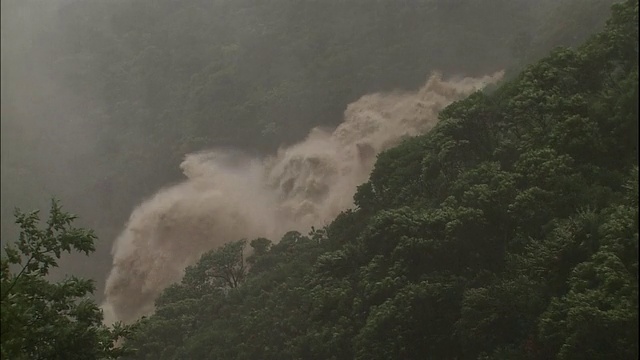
column 229, row 196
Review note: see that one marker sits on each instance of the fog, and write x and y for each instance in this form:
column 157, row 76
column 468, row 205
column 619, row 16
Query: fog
column 229, row 196
column 49, row 131
column 171, row 127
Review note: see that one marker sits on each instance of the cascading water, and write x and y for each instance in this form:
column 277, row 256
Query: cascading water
column 228, row 195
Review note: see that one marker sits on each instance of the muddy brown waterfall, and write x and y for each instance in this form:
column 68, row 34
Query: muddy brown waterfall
column 228, row 195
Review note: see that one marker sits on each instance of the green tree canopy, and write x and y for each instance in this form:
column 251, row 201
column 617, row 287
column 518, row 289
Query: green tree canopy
column 51, row 320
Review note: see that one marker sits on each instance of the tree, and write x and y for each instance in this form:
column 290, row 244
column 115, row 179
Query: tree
column 260, row 247
column 51, row 320
column 507, row 232
column 224, row 266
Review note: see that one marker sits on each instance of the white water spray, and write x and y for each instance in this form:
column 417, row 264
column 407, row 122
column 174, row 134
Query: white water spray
column 228, row 196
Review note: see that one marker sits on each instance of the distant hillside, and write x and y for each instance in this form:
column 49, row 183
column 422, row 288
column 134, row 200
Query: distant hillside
column 510, row 231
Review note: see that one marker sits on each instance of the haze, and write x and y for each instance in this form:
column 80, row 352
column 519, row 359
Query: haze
column 102, row 101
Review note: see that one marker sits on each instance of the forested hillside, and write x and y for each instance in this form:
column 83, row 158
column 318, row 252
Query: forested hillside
column 102, row 99
column 510, row 231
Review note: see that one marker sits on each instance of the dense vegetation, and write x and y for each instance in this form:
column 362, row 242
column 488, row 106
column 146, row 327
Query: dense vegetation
column 51, row 320
column 127, row 88
column 508, row 232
